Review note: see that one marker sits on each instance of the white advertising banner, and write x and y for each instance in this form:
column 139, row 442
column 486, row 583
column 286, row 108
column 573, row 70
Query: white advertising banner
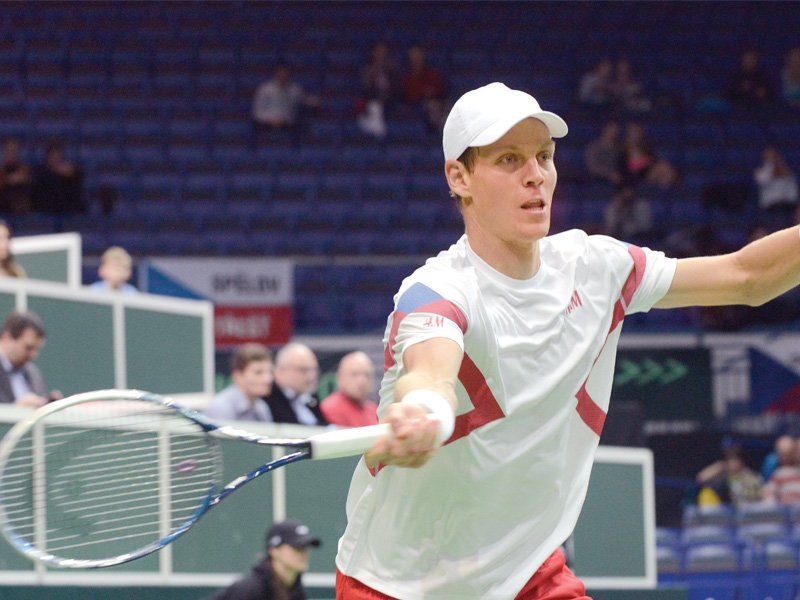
column 252, row 297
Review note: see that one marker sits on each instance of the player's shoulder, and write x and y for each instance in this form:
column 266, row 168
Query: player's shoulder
column 448, row 275
column 576, row 244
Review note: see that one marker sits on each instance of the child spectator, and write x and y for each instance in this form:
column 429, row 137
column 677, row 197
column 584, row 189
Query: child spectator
column 116, row 267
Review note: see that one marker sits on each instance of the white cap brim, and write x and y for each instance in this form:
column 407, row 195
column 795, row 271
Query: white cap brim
column 555, row 125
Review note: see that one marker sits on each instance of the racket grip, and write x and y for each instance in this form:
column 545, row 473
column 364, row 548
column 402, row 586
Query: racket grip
column 346, row 442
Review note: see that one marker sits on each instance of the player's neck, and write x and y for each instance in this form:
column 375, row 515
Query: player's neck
column 512, row 260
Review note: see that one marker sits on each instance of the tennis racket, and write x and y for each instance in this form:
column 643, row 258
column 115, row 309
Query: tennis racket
column 107, row 477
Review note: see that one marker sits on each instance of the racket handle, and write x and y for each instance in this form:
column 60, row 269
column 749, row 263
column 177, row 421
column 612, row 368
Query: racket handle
column 346, row 442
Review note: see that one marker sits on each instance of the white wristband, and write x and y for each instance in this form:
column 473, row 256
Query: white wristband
column 439, row 409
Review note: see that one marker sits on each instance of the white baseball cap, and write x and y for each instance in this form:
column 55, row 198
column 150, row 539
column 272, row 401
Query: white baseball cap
column 482, row 116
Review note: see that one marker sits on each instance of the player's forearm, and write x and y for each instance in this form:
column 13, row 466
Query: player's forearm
column 425, row 381
column 771, row 265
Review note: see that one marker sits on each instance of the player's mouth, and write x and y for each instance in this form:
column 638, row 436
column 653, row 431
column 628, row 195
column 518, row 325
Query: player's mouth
column 535, row 206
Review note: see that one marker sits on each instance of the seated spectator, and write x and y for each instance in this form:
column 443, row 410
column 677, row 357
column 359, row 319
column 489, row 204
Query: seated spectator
column 749, row 85
column 790, row 78
column 628, row 93
column 57, row 186
column 251, row 376
column 15, row 181
column 783, row 486
column 278, row 575
column 639, row 162
column 602, row 155
column 277, row 103
column 777, row 190
column 21, row 381
column 782, row 453
column 731, row 479
column 596, row 87
column 628, row 216
column 9, row 267
column 424, row 86
column 378, row 89
column 116, row 267
column 293, row 398
column 350, row 404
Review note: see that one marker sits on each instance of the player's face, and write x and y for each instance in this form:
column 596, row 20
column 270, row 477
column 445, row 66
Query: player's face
column 510, row 190
column 255, row 380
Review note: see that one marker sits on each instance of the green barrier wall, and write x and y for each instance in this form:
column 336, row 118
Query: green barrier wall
column 48, row 266
column 98, row 340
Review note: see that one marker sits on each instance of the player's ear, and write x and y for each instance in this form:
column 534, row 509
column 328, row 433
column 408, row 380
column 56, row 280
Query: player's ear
column 457, row 178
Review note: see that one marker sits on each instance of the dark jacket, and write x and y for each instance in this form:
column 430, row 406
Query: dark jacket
column 282, row 411
column 258, row 586
column 32, row 374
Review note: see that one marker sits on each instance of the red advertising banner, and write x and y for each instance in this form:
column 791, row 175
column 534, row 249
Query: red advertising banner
column 269, row 325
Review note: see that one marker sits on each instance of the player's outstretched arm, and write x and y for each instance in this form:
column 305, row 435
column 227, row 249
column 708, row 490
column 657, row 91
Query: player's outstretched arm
column 759, row 272
column 426, row 390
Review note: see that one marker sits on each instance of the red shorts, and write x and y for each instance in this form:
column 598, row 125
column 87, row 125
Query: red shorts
column 553, row 581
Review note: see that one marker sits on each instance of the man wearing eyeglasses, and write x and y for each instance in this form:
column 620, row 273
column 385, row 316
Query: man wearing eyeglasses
column 293, row 398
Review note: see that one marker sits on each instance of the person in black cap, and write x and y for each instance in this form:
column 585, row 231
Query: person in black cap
column 278, row 575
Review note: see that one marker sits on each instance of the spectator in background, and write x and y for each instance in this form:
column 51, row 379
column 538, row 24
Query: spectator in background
column 628, row 93
column 378, row 89
column 57, row 186
column 730, row 479
column 628, row 216
column 596, row 87
column 351, row 404
column 115, row 270
column 424, row 86
column 21, row 381
column 9, row 267
column 15, row 181
column 251, row 375
column 278, row 575
column 639, row 162
column 782, row 452
column 278, row 103
column 790, row 78
column 602, row 155
column 783, row 485
column 777, row 190
column 749, row 85
column 293, row 398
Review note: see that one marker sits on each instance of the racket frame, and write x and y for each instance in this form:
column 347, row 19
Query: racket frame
column 333, row 444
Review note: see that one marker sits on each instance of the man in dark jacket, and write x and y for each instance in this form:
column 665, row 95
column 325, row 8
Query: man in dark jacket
column 278, row 576
column 293, row 398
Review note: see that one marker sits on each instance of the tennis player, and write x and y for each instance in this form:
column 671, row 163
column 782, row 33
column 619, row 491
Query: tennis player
column 508, row 338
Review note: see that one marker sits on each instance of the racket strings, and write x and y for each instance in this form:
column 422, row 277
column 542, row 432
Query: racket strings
column 94, row 477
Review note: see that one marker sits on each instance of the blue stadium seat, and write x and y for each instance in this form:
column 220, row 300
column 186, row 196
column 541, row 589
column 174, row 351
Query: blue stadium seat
column 762, row 512
column 720, row 515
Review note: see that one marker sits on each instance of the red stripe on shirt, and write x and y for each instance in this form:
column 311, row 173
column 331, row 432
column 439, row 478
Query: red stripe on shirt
column 589, row 411
column 485, row 407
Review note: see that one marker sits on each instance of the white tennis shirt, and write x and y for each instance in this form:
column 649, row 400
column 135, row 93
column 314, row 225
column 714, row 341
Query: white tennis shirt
column 505, row 491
